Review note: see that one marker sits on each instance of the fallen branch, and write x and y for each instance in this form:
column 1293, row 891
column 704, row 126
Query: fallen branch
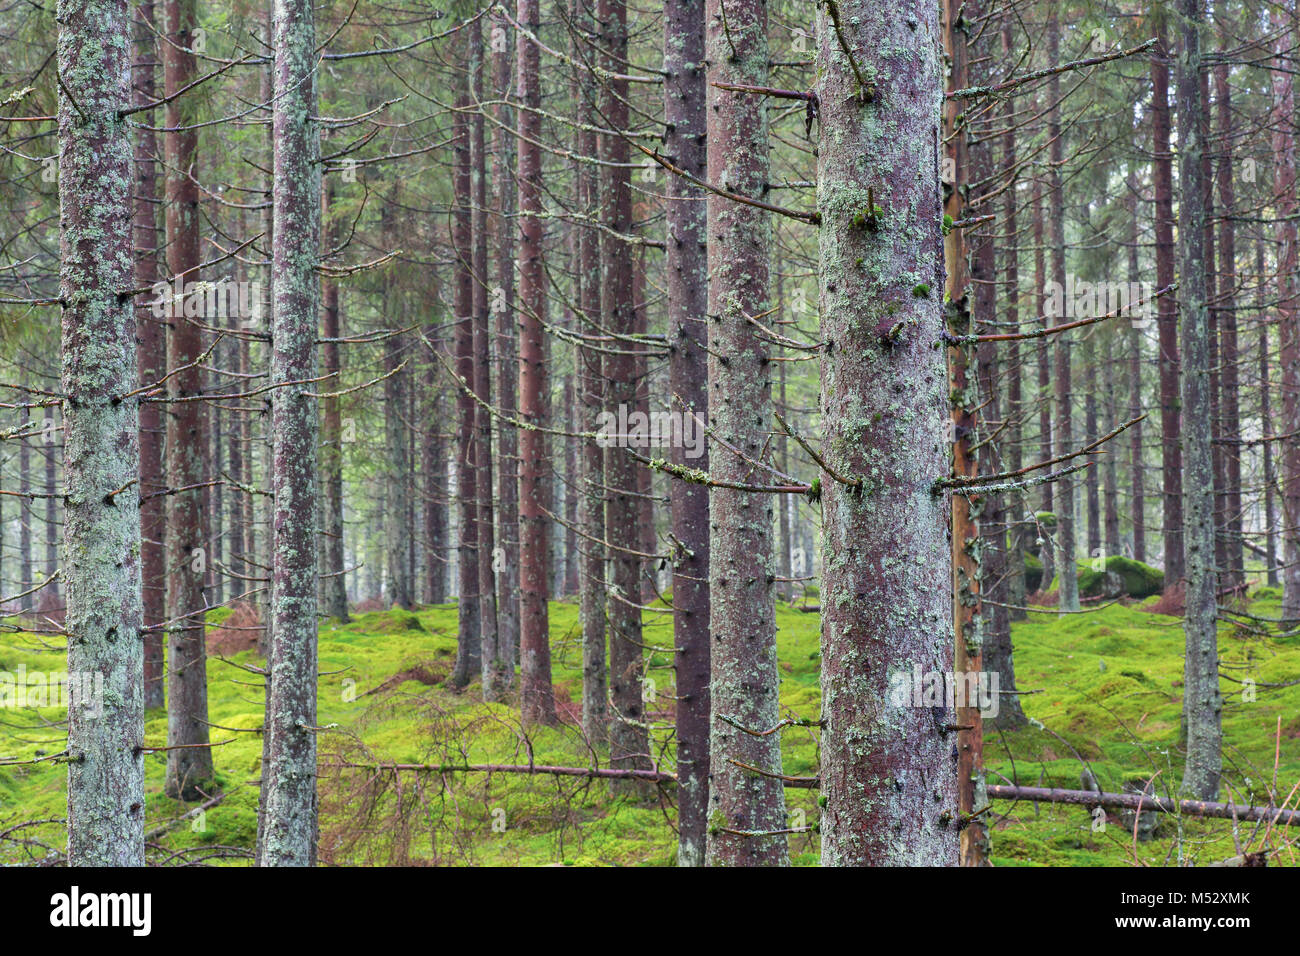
column 1137, row 801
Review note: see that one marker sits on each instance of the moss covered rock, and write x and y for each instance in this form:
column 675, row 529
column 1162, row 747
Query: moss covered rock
column 1033, row 572
column 1121, row 576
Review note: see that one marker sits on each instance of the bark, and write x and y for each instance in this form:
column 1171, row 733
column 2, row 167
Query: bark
column 101, row 446
column 968, row 292
column 745, row 683
column 288, row 832
column 1136, row 405
column 887, row 769
column 1202, row 702
column 1045, row 541
column 333, row 592
column 151, row 359
column 1092, row 477
column 1167, row 315
column 1067, row 571
column 1265, row 427
column 629, row 746
column 1109, row 464
column 189, row 762
column 50, row 443
column 1229, row 411
column 25, row 514
column 1288, row 308
column 536, row 694
column 434, row 466
column 497, row 667
column 397, row 472
column 468, row 648
column 978, row 532
column 215, row 503
column 507, row 346
column 261, row 443
column 591, row 386
column 686, row 278
column 998, row 654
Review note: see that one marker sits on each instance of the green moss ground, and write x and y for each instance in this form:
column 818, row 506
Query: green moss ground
column 1108, row 692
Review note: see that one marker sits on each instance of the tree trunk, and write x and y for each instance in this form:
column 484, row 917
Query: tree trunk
column 1288, row 308
column 289, row 826
column 969, row 294
column 1170, row 408
column 629, row 746
column 686, row 277
column 1137, row 470
column 468, row 648
column 1045, row 536
column 101, row 444
column 507, row 349
column 397, row 468
column 151, row 359
column 496, row 666
column 1202, row 702
column 1229, row 411
column 591, row 386
column 1066, row 569
column 887, row 781
column 536, row 693
column 997, row 655
column 333, row 590
column 189, row 762
column 745, row 684
column 1265, row 426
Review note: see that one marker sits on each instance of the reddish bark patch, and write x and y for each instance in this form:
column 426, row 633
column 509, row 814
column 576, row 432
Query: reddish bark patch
column 427, row 673
column 238, row 632
column 1173, row 602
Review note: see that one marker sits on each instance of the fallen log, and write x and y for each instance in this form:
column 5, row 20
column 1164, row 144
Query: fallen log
column 1138, row 801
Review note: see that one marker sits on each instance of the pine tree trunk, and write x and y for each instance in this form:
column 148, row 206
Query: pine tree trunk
column 468, row 648
column 686, row 276
column 629, row 746
column 1229, row 410
column 289, row 826
column 536, row 693
column 1045, row 536
column 1167, row 315
column 101, row 443
column 1136, row 406
column 507, row 345
column 887, row 780
column 591, row 386
column 25, row 514
column 745, row 685
column 1063, row 427
column 189, row 762
column 333, row 589
column 151, row 358
column 968, row 291
column 1265, row 425
column 397, row 467
column 997, row 656
column 496, row 666
column 1202, row 701
column 1288, row 311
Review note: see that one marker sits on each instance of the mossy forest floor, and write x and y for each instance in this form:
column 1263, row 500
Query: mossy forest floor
column 1105, row 688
